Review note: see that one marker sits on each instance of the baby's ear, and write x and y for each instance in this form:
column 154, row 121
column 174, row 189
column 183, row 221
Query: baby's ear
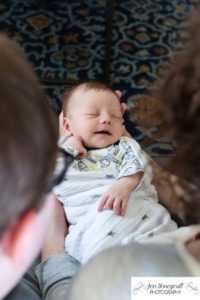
column 123, row 107
column 61, row 127
column 118, row 93
column 66, row 126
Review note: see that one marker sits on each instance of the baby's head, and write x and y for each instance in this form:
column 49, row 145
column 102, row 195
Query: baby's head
column 93, row 112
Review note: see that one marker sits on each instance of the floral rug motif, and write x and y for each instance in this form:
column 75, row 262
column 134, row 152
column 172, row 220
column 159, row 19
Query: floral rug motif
column 65, row 41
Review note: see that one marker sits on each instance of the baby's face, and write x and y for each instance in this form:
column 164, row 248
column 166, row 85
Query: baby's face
column 95, row 116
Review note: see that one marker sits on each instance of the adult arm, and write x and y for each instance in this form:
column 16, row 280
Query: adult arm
column 57, row 268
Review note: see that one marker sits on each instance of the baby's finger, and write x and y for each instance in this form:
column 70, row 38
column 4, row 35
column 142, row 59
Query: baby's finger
column 82, row 152
column 109, row 203
column 117, row 206
column 123, row 207
column 102, row 202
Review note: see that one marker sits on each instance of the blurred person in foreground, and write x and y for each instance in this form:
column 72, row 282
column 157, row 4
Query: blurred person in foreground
column 28, row 170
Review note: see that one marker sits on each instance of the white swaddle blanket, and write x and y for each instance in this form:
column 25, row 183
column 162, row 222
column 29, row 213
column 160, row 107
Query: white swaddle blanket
column 85, row 183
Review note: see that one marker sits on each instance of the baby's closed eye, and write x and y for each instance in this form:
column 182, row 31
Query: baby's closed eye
column 91, row 115
column 117, row 116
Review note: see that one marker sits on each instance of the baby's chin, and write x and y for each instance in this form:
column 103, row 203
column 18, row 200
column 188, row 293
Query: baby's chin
column 101, row 144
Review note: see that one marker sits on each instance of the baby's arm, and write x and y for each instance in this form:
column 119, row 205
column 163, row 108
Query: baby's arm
column 131, row 172
column 117, row 196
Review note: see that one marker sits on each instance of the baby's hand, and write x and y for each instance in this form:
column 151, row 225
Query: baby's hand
column 116, row 198
column 118, row 194
column 76, row 142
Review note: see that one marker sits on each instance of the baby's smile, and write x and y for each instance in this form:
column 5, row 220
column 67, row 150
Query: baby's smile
column 106, row 132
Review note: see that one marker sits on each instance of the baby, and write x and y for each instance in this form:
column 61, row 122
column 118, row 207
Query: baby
column 107, row 194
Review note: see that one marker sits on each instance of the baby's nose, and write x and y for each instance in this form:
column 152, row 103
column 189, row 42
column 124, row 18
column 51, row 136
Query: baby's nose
column 105, row 119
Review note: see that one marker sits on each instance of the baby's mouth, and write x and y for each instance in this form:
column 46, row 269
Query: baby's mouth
column 103, row 132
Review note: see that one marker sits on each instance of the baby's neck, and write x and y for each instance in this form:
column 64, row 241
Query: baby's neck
column 95, row 148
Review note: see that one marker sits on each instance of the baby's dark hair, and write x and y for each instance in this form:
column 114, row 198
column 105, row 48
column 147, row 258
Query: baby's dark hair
column 179, row 95
column 86, row 85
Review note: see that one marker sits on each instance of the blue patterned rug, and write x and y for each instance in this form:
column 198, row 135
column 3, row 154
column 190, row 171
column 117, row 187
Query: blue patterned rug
column 65, row 41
